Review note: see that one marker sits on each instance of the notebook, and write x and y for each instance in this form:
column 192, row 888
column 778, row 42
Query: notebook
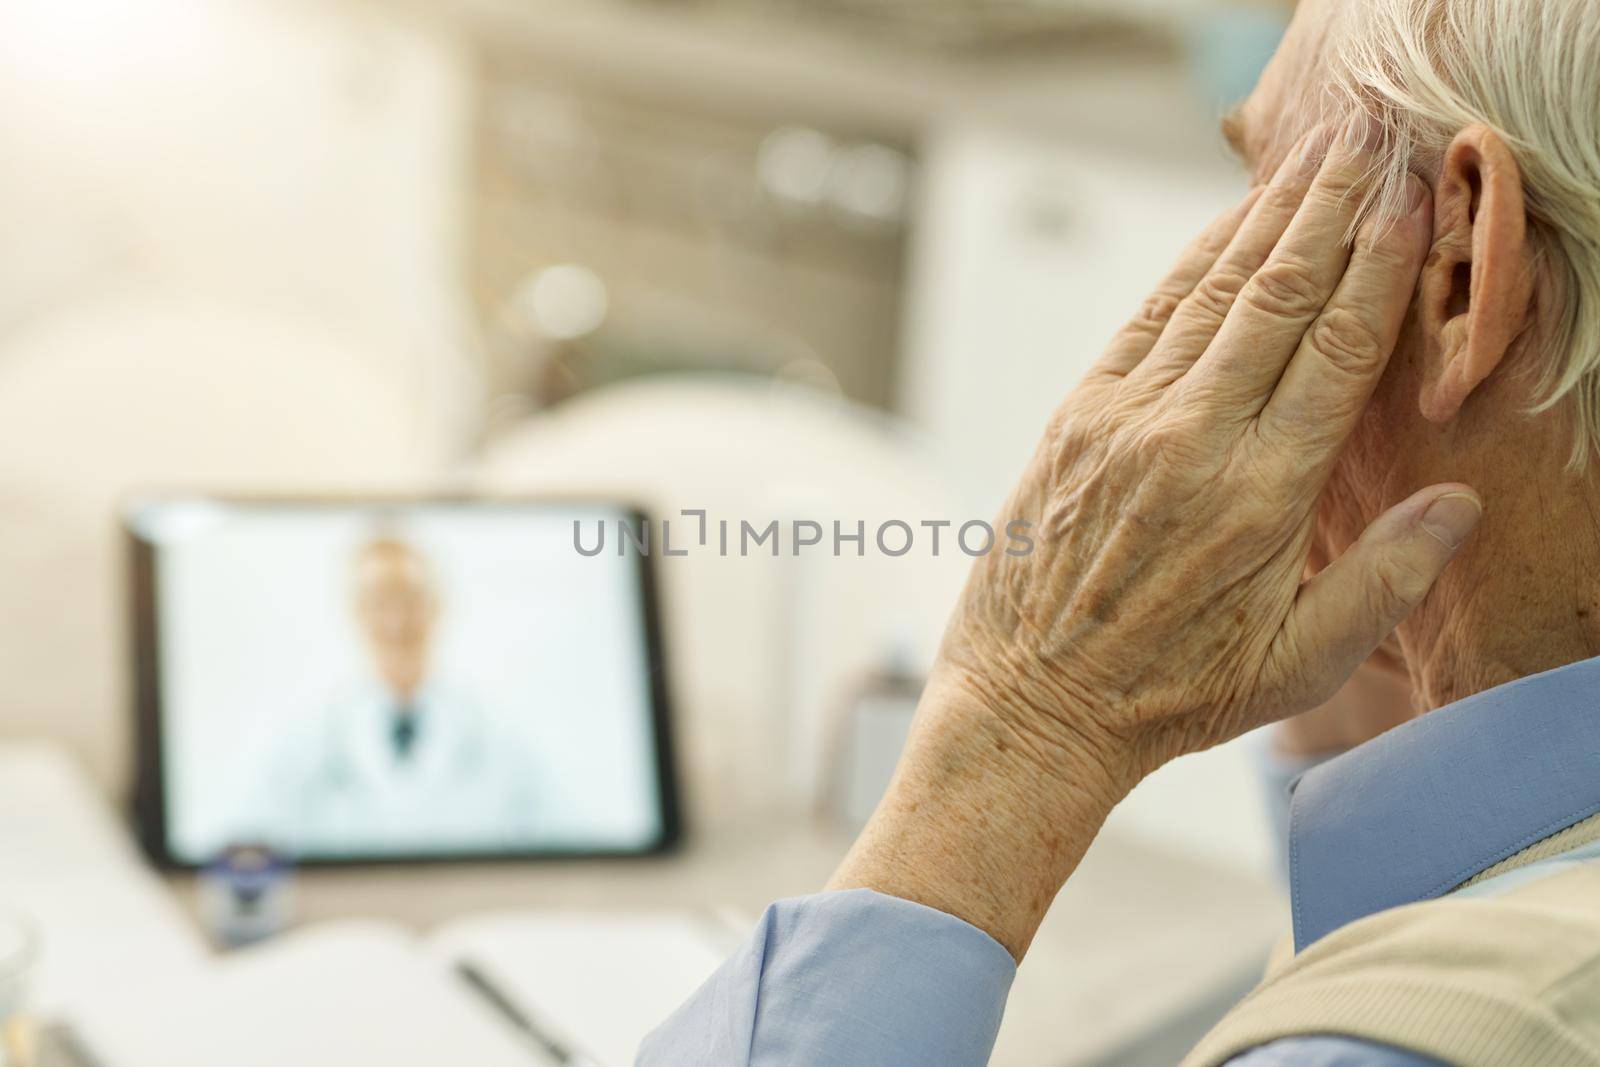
column 593, row 984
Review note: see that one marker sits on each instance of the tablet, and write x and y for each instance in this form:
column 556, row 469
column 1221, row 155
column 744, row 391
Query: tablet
column 353, row 681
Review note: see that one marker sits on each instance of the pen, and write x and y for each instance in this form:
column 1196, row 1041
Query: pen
column 481, row 984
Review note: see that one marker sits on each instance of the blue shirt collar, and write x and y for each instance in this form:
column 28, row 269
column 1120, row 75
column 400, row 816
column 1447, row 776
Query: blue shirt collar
column 1417, row 811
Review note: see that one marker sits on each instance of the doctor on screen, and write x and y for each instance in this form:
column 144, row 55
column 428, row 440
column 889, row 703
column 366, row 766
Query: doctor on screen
column 400, row 761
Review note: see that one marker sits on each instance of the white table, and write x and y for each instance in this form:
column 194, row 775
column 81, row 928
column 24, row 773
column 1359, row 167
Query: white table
column 103, row 917
column 1141, row 938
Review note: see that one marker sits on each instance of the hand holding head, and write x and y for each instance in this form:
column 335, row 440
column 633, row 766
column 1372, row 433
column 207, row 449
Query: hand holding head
column 1173, row 499
column 1175, row 493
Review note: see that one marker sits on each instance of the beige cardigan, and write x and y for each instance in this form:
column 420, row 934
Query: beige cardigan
column 1497, row 981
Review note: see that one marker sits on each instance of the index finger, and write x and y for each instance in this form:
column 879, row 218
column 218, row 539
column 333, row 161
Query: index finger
column 1331, row 377
column 1203, row 311
column 1282, row 299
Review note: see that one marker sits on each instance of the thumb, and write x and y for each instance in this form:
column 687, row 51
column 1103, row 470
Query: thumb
column 1348, row 608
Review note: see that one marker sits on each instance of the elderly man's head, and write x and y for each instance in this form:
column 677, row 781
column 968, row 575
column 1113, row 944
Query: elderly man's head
column 1496, row 104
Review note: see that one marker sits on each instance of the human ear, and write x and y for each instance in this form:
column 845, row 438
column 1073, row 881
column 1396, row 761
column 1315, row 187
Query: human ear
column 1477, row 286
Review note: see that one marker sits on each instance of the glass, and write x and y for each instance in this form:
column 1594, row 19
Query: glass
column 18, row 952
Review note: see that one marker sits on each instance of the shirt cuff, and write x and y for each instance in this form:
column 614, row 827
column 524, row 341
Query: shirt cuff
column 845, row 979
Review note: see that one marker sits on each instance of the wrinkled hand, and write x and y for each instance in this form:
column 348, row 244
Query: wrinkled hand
column 1172, row 498
column 1175, row 493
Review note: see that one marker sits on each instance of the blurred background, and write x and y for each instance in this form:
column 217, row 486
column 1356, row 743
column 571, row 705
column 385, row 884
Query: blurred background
column 835, row 258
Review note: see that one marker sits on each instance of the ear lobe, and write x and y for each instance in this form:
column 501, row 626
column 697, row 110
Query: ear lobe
column 1477, row 287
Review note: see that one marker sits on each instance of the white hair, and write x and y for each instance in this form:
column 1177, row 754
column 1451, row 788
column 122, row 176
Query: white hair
column 1530, row 70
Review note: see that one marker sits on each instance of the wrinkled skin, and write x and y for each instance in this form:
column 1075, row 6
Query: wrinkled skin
column 1175, row 501
column 1524, row 596
column 1173, row 497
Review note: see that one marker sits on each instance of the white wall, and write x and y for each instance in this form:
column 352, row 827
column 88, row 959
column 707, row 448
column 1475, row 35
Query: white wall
column 299, row 158
column 1030, row 252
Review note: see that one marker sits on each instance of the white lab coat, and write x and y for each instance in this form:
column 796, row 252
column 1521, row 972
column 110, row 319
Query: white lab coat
column 330, row 783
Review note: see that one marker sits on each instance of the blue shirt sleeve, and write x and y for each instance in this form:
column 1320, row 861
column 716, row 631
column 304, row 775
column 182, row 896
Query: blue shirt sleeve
column 848, row 979
column 1329, row 1051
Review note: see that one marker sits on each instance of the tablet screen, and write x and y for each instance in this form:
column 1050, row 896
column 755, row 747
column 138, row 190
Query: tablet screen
column 421, row 680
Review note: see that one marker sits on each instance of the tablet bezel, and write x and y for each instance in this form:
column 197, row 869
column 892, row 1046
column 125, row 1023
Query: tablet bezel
column 149, row 797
